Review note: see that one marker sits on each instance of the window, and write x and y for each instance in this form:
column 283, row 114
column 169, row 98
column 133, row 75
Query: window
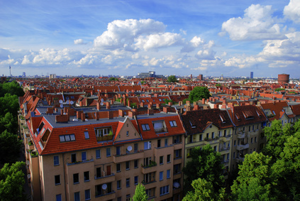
column 158, row 143
column 173, row 123
column 86, row 176
column 251, row 140
column 168, row 174
column 127, row 133
column 213, row 135
column 215, row 148
column 58, row 197
column 161, row 176
column 98, row 154
column 118, row 167
column 177, row 153
column 169, row 158
column 255, row 139
column 166, row 142
column 177, row 169
column 164, row 190
column 87, row 194
column 77, row 196
column 86, row 135
column 145, row 127
column 234, row 143
column 147, row 145
column 136, row 180
column 98, row 172
column 225, row 133
column 220, row 133
column 67, row 138
column 207, row 135
column 56, row 160
column 76, row 178
column 128, row 182
column 83, row 156
column 107, row 152
column 161, row 160
column 200, row 137
column 233, row 155
column 136, row 147
column 136, row 165
column 176, row 139
column 128, row 197
column 159, row 126
column 127, row 165
column 118, row 151
column 57, row 179
column 101, row 132
column 119, row 184
column 73, row 158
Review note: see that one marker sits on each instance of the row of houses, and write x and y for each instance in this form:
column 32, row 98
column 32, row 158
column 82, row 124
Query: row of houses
column 103, row 150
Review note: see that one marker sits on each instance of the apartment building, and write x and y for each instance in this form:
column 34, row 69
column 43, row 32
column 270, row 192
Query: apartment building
column 211, row 126
column 248, row 120
column 87, row 153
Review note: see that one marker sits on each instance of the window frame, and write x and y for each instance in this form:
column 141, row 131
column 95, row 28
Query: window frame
column 57, row 177
column 56, row 159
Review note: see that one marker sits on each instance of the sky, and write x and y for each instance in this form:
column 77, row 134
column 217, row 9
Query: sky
column 96, row 37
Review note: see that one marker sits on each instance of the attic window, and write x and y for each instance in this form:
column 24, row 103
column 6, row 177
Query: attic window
column 40, row 127
column 86, row 135
column 153, row 100
column 145, row 127
column 192, row 125
column 274, row 112
column 45, row 136
column 159, row 126
column 143, row 101
column 67, row 138
column 147, row 100
column 173, row 124
column 159, row 99
column 222, row 118
column 238, row 117
column 248, row 114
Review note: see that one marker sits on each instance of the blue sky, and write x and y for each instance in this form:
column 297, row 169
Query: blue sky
column 213, row 37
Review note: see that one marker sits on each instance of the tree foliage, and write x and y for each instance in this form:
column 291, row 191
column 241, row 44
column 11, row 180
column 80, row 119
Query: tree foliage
column 204, row 164
column 12, row 182
column 140, row 193
column 12, row 88
column 204, row 190
column 113, row 79
column 172, row 78
column 198, row 93
column 9, row 147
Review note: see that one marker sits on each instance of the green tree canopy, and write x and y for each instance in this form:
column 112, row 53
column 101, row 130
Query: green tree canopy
column 172, row 78
column 206, row 164
column 198, row 93
column 12, row 88
column 12, row 182
column 140, row 193
column 113, row 79
column 204, row 190
column 9, row 147
column 254, row 181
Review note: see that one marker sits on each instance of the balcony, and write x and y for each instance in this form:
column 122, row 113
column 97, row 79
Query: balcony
column 106, row 196
column 149, row 184
column 128, row 156
column 225, row 162
column 211, row 141
column 242, row 147
column 105, row 179
column 105, row 138
column 241, row 135
column 240, row 159
column 225, row 149
column 150, row 168
column 80, row 162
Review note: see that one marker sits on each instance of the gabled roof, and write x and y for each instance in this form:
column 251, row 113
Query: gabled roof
column 247, row 114
column 296, row 109
column 196, row 121
column 276, row 107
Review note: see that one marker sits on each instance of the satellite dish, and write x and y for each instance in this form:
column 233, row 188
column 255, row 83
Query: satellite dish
column 71, row 102
column 61, row 105
column 102, row 100
column 104, row 186
column 129, row 148
column 60, row 101
column 176, row 185
column 101, row 103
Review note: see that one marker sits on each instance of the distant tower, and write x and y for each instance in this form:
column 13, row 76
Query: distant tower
column 191, row 76
column 24, row 74
column 251, row 75
column 200, row 77
column 283, row 78
column 10, row 71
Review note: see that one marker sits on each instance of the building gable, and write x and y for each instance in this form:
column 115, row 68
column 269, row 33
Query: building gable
column 126, row 131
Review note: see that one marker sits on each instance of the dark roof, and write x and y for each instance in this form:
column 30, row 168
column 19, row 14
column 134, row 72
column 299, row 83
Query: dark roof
column 247, row 114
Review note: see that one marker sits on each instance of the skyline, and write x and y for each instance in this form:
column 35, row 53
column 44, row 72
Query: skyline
column 125, row 38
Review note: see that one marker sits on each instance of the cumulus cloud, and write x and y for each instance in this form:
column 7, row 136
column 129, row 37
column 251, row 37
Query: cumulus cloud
column 257, row 24
column 79, row 42
column 243, row 61
column 292, row 10
column 192, row 44
column 206, row 54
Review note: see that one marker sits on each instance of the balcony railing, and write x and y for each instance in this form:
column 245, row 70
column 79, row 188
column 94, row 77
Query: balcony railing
column 241, row 147
column 241, row 135
column 224, row 149
column 105, row 138
column 161, row 130
column 79, row 162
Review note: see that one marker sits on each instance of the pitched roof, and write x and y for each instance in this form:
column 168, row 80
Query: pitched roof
column 247, row 114
column 196, row 121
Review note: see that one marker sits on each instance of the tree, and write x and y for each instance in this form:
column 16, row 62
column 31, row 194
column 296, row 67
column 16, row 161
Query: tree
column 12, row 182
column 172, row 78
column 203, row 190
column 113, row 79
column 279, row 89
column 9, row 147
column 12, row 88
column 198, row 93
column 9, row 103
column 254, row 181
column 206, row 164
column 140, row 193
column 9, row 123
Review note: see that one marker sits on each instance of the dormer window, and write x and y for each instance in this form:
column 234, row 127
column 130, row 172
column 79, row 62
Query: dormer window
column 145, row 127
column 222, row 118
column 159, row 126
column 147, row 100
column 143, row 101
column 40, row 127
column 159, row 99
column 67, row 138
column 238, row 117
column 173, row 124
column 192, row 125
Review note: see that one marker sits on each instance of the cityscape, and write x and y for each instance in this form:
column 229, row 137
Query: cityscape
column 149, row 100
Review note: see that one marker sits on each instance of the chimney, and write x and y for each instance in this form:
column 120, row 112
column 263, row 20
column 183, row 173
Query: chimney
column 98, row 106
column 215, row 106
column 203, row 101
column 61, row 118
column 150, row 112
column 128, row 103
column 157, row 105
column 112, row 101
column 166, row 109
column 142, row 104
column 82, row 116
column 188, row 103
column 121, row 113
column 187, row 108
column 180, row 103
column 96, row 116
column 78, row 114
column 130, row 114
column 110, row 114
column 170, row 103
column 49, row 110
column 196, row 107
column 107, row 105
column 61, row 112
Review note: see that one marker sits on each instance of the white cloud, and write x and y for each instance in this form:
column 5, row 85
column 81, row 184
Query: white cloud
column 206, row 54
column 199, row 68
column 154, row 41
column 243, row 61
column 79, row 42
column 292, row 10
column 7, row 61
column 192, row 44
column 281, row 64
column 26, row 60
column 257, row 24
column 121, row 34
